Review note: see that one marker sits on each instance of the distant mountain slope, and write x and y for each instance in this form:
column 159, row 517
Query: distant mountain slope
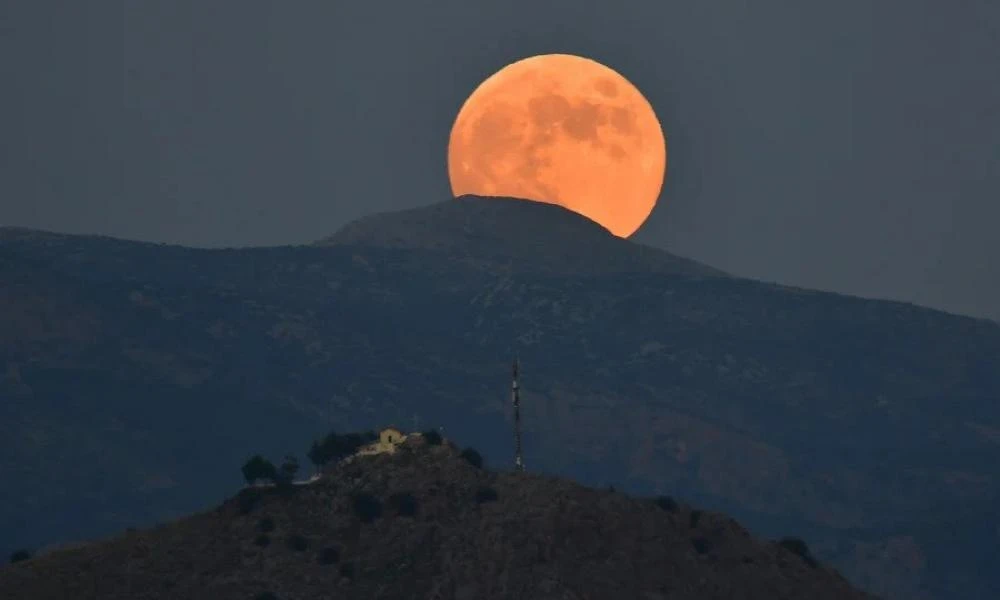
column 515, row 234
column 424, row 523
column 135, row 377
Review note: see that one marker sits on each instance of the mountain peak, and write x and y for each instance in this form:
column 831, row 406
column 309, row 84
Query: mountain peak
column 493, row 230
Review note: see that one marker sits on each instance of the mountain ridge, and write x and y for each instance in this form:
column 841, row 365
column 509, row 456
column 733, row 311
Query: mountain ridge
column 537, row 235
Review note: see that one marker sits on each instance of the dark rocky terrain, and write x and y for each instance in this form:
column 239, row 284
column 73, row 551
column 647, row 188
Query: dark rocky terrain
column 135, row 378
column 435, row 527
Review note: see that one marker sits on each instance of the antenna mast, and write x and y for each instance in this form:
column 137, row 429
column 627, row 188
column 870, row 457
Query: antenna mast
column 515, row 393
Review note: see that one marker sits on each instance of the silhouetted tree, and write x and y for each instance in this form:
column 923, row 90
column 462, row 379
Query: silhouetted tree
column 289, row 468
column 19, row 555
column 334, row 447
column 317, row 455
column 475, row 459
column 259, row 468
column 353, row 441
column 432, row 437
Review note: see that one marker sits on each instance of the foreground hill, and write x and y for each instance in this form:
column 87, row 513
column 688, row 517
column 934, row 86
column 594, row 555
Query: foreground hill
column 134, row 378
column 424, row 523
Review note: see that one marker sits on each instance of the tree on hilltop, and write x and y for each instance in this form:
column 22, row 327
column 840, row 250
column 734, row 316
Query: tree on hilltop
column 317, row 455
column 289, row 468
column 475, row 459
column 20, row 555
column 258, row 468
column 334, row 447
column 432, row 437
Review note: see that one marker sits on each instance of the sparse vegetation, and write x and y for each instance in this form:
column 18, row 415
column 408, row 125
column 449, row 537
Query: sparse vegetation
column 486, row 494
column 473, row 457
column 265, row 525
column 317, row 455
column 799, row 548
column 297, row 542
column 20, row 555
column 667, row 503
column 404, row 503
column 328, row 556
column 334, row 447
column 432, row 437
column 289, row 468
column 695, row 517
column 258, row 468
column 302, row 542
column 367, row 507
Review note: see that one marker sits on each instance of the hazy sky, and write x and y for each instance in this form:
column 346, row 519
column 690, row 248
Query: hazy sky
column 851, row 145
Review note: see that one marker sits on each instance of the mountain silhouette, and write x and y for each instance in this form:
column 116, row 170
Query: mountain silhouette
column 136, row 377
column 425, row 523
column 512, row 234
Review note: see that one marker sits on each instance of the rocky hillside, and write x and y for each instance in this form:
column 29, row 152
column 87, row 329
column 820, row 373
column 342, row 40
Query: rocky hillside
column 425, row 523
column 134, row 376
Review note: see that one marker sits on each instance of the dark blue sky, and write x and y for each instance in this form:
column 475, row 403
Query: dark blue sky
column 850, row 146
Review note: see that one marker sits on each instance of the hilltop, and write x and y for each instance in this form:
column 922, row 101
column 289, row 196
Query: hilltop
column 425, row 523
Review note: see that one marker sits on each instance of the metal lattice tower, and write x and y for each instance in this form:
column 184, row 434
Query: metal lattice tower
column 515, row 394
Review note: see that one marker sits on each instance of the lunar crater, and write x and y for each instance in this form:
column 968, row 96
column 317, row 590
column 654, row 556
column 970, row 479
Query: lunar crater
column 606, row 87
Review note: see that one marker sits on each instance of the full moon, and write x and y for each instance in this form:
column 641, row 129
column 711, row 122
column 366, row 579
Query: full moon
column 565, row 130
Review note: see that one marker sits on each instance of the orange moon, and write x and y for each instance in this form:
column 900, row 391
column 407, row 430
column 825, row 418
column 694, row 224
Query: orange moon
column 565, row 130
